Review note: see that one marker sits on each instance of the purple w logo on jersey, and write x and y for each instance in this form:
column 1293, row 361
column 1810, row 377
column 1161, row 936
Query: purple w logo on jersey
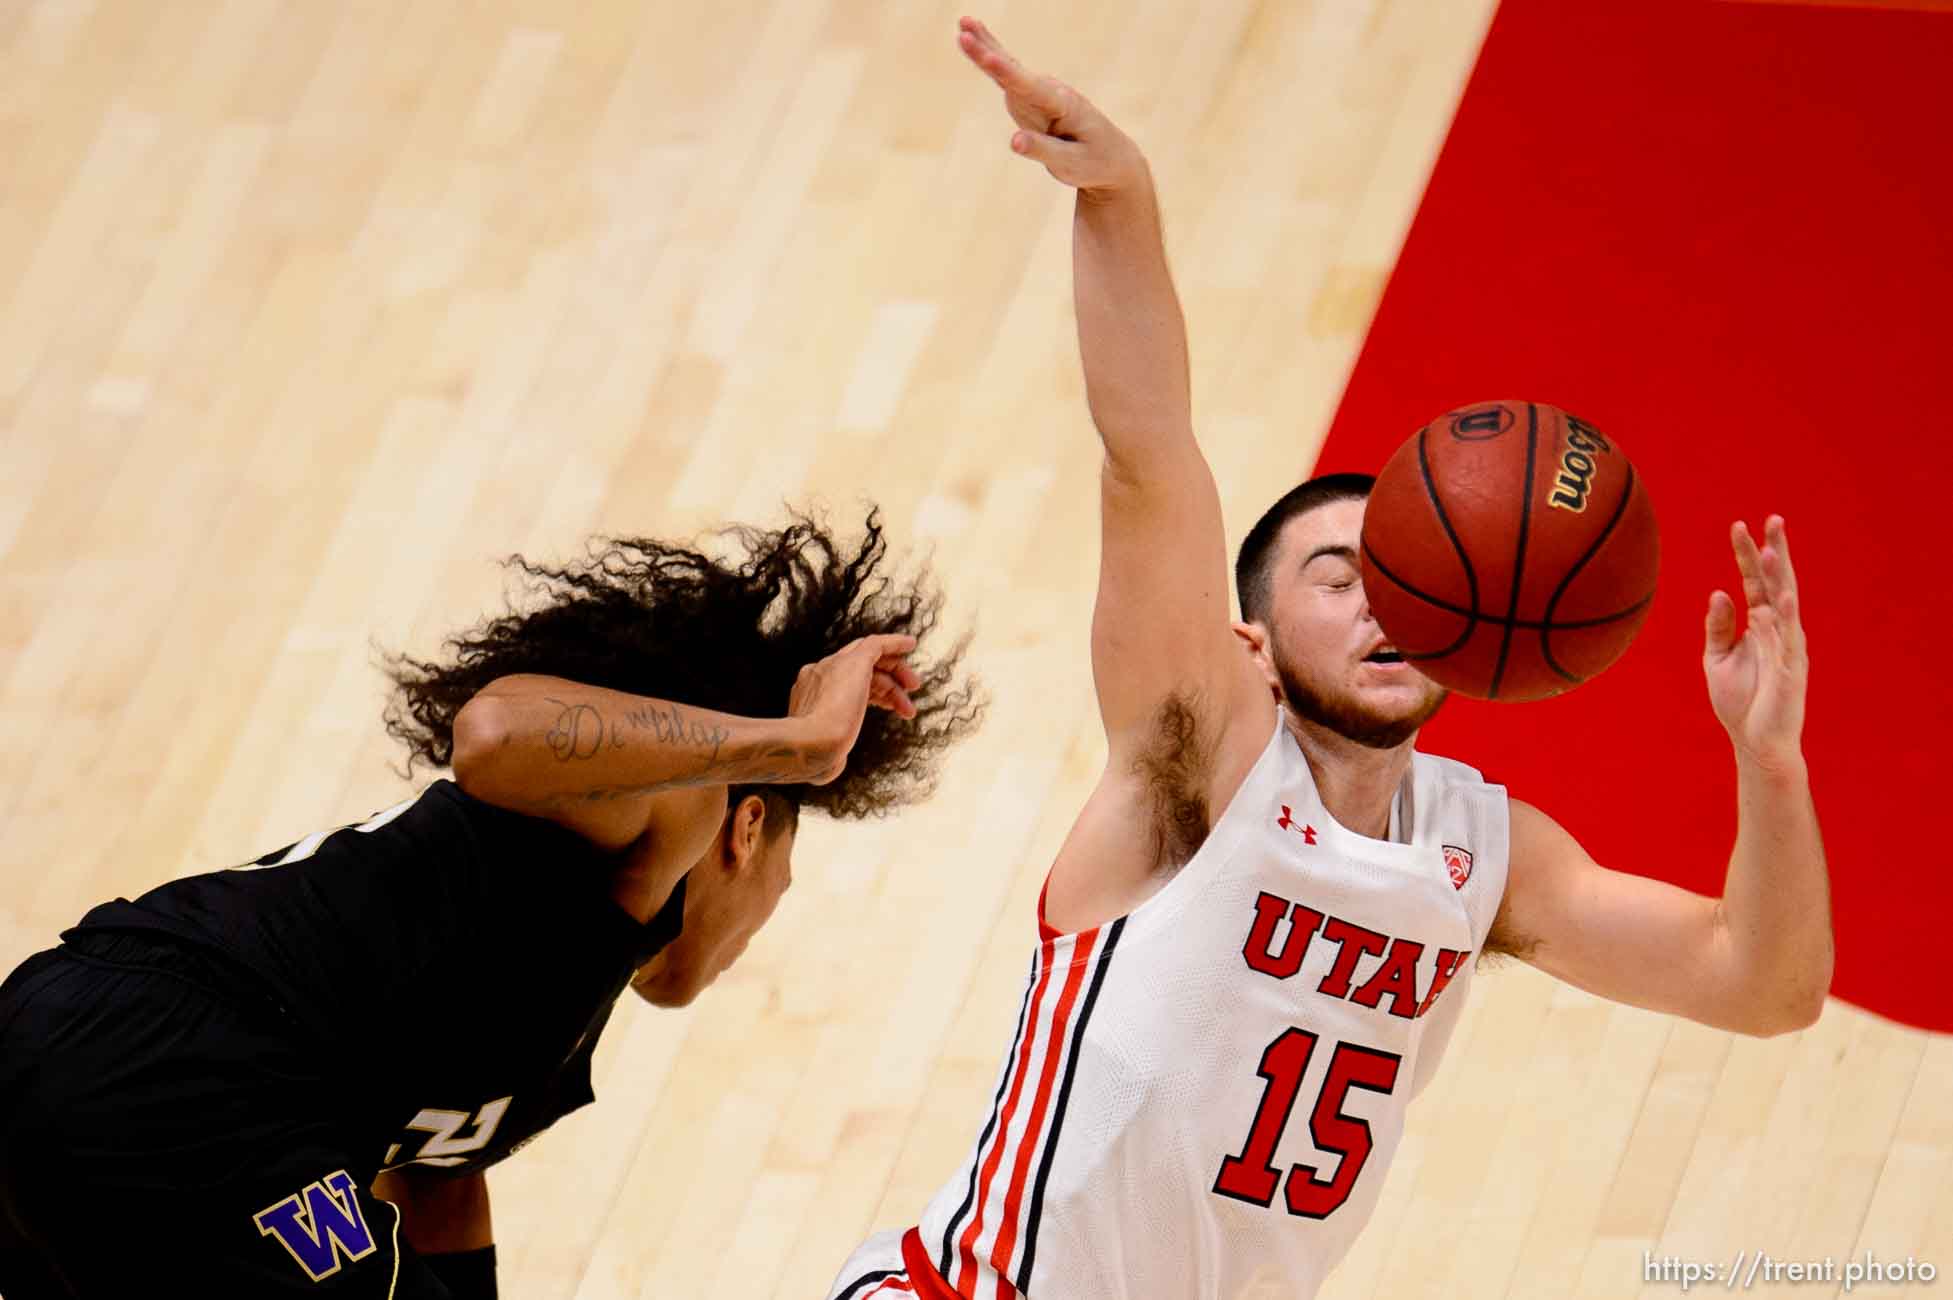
column 321, row 1226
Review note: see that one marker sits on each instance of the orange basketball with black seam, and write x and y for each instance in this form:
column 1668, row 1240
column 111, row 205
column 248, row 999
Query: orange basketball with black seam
column 1510, row 550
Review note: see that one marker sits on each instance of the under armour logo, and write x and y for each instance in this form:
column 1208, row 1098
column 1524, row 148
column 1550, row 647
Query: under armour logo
column 1288, row 823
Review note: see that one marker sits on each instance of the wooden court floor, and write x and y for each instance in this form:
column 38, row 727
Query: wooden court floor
column 310, row 309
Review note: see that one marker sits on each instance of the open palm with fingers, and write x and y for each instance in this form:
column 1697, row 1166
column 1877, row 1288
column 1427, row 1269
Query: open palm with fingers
column 1757, row 679
column 1059, row 127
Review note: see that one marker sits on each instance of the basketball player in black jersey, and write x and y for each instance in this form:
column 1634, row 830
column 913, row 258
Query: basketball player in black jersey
column 199, row 1088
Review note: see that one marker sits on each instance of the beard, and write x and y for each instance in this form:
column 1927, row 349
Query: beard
column 1349, row 719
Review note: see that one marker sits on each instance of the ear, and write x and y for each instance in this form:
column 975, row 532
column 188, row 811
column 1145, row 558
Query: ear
column 745, row 829
column 1254, row 637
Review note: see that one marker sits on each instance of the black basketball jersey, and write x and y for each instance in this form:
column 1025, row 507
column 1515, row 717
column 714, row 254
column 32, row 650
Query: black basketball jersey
column 453, row 962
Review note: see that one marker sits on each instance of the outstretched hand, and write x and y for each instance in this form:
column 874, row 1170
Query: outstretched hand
column 1757, row 679
column 1058, row 126
column 834, row 695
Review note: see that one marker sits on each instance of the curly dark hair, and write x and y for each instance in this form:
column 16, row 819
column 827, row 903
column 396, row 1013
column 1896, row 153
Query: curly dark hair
column 669, row 620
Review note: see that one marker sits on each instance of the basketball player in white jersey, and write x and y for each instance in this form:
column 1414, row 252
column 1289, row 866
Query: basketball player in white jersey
column 1259, row 933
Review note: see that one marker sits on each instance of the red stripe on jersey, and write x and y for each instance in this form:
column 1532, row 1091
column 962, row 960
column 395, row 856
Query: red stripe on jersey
column 1081, row 958
column 891, row 1284
column 965, row 1247
column 929, row 1284
column 1046, row 931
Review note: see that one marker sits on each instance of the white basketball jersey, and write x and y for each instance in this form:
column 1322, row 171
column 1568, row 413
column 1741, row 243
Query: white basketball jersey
column 1204, row 1095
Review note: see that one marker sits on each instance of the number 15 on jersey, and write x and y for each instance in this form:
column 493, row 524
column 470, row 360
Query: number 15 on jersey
column 1252, row 1176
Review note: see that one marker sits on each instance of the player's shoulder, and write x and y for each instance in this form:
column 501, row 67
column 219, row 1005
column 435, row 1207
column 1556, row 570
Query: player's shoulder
column 443, row 823
column 496, row 830
column 443, row 810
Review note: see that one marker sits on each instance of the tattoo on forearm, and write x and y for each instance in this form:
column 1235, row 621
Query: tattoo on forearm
column 577, row 733
column 670, row 726
column 580, row 730
column 583, row 731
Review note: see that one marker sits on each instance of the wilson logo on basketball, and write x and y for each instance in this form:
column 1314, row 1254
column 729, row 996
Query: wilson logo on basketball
column 1459, row 863
column 1583, row 443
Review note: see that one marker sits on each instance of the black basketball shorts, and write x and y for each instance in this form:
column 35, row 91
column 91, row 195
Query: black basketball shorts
column 166, row 1130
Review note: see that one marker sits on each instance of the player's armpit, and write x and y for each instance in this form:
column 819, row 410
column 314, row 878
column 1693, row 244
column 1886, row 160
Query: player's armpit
column 1628, row 938
column 1184, row 710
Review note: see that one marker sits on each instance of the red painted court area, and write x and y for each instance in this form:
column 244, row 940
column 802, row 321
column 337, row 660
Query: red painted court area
column 1723, row 233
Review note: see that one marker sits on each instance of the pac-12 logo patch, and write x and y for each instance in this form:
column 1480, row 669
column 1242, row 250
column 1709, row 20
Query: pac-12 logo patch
column 1459, row 863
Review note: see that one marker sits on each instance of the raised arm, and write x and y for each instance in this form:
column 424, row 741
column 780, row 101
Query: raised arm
column 1160, row 627
column 1758, row 959
column 595, row 760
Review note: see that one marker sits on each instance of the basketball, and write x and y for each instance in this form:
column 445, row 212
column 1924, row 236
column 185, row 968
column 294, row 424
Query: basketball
column 1510, row 551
